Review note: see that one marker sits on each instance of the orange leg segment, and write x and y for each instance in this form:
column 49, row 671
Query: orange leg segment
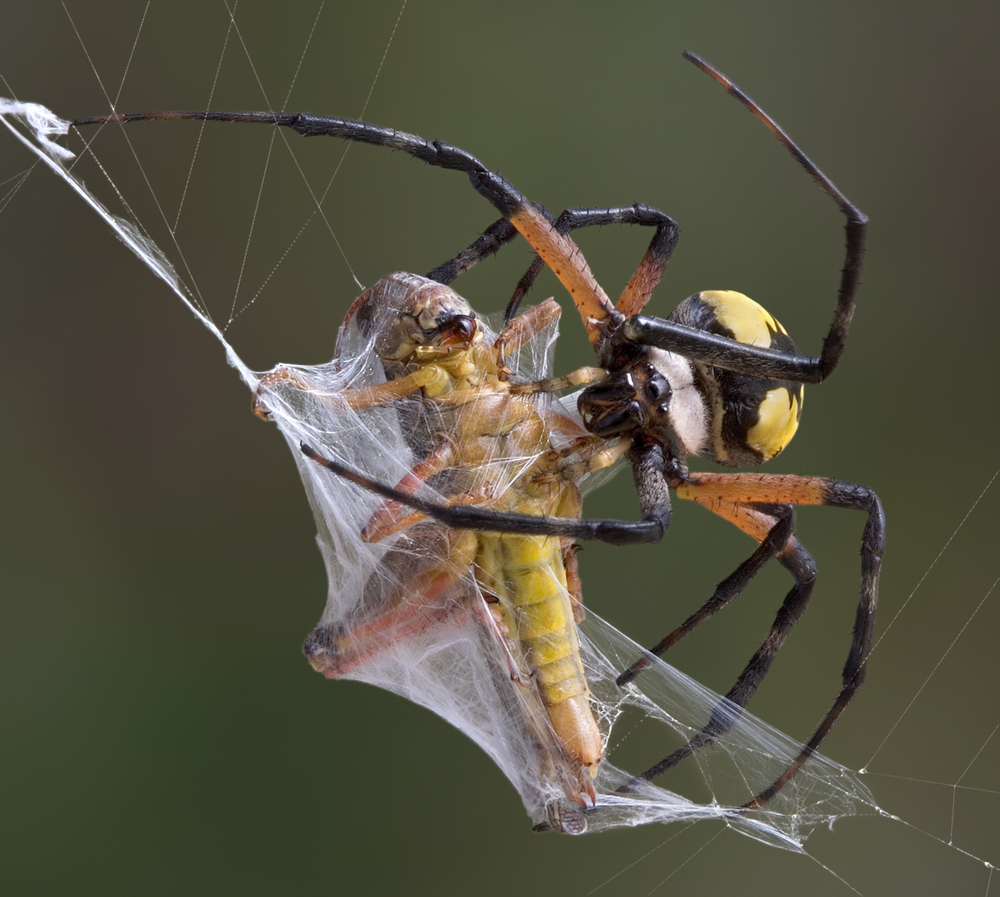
column 566, row 261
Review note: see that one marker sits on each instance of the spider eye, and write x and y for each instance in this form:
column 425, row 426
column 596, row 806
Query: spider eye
column 657, row 388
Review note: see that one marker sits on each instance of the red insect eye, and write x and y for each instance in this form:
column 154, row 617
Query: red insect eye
column 460, row 328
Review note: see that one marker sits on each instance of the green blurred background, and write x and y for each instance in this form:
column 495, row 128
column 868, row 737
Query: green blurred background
column 162, row 734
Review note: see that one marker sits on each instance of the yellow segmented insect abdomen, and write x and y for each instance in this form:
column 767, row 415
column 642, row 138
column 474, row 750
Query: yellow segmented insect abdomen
column 534, row 583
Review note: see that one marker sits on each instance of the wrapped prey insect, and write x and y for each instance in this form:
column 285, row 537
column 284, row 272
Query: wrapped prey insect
column 476, row 440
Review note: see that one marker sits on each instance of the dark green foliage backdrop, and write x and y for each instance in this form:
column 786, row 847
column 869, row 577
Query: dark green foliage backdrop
column 161, row 733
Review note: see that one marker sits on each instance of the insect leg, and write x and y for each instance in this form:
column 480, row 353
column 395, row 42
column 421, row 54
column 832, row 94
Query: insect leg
column 356, row 397
column 405, row 599
column 390, row 518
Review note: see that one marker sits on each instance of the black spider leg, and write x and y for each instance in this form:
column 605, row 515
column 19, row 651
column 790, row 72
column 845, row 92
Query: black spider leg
column 704, row 347
column 797, row 560
column 731, row 587
column 499, row 233
column 793, row 557
column 495, row 237
column 648, row 465
column 858, row 498
column 504, row 197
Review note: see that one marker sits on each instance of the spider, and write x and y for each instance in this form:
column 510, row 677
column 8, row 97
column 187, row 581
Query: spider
column 719, row 378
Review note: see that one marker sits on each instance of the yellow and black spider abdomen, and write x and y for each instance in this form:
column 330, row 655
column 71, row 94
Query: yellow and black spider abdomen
column 752, row 418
